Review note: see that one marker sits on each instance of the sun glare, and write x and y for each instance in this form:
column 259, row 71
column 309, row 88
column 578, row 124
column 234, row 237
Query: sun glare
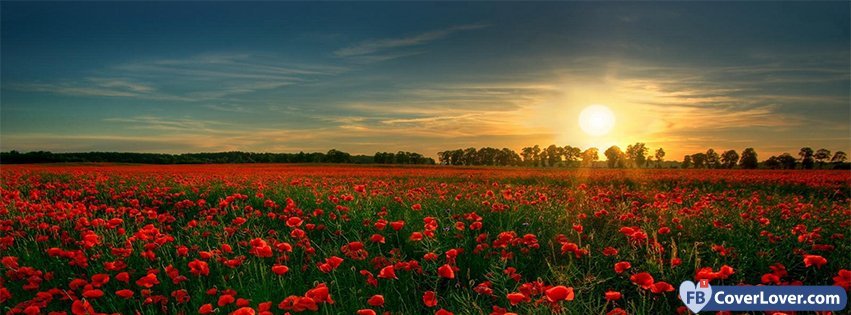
column 596, row 120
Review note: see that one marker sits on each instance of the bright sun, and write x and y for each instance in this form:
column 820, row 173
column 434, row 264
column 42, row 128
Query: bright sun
column 596, row 120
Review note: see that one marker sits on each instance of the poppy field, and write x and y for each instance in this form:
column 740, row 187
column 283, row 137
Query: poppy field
column 277, row 239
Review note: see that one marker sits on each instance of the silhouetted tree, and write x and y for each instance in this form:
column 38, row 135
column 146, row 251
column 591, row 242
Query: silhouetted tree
column 748, row 159
column 614, row 155
column 729, row 158
column 787, row 161
column 686, row 162
column 660, row 156
column 637, row 154
column 712, row 158
column 699, row 160
column 571, row 155
column 552, row 155
column 821, row 156
column 806, row 155
column 839, row 157
column 590, row 156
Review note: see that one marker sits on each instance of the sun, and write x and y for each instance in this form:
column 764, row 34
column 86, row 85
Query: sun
column 596, row 120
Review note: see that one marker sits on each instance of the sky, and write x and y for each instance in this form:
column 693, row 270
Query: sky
column 423, row 77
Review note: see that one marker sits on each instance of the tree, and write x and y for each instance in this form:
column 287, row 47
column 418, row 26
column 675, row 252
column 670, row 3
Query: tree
column 457, row 157
column 526, row 153
column 590, row 156
column 469, row 156
column 536, row 155
column 822, row 156
column 614, row 155
column 787, row 161
column 660, row 156
column 335, row 156
column 839, row 157
column 698, row 159
column 553, row 155
column 806, row 155
column 686, row 161
column 712, row 158
column 637, row 154
column 571, row 155
column 748, row 159
column 773, row 163
column 729, row 158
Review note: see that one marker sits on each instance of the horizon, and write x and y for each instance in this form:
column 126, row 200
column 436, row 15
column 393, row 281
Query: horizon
column 424, row 77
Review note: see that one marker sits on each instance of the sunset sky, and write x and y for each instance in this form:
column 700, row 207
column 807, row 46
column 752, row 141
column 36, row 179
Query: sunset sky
column 423, row 77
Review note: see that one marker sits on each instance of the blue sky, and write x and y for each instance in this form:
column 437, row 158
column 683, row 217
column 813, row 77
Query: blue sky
column 367, row 77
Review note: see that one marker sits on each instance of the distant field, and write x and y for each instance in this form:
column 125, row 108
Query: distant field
column 271, row 239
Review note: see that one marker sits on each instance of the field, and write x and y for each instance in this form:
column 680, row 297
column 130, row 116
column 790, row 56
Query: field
column 274, row 239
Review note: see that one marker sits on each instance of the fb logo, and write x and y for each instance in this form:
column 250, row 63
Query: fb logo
column 695, row 296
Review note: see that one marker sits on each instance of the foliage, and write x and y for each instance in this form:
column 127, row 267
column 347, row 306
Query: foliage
column 269, row 239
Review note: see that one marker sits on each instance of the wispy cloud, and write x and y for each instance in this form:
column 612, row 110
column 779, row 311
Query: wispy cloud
column 201, row 78
column 375, row 49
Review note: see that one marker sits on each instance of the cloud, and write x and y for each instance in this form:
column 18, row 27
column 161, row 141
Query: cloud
column 372, row 47
column 201, row 78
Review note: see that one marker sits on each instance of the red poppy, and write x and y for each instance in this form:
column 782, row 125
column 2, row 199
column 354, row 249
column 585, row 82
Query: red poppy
column 199, row 268
column 365, row 312
column 644, row 279
column 446, row 271
column 814, row 260
column 280, row 269
column 613, row 295
column 559, row 293
column 148, row 281
column 376, row 300
column 225, row 300
column 661, row 287
column 126, row 294
column 430, row 299
column 622, row 266
column 387, row 273
column 82, row 307
column 243, row 311
column 516, row 297
column 92, row 294
column 843, row 279
column 443, row 312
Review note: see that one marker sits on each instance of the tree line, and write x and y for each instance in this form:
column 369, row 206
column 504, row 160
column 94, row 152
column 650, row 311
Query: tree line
column 636, row 155
column 332, row 156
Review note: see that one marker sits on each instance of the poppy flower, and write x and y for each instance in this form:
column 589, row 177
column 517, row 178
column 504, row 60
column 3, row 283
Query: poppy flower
column 376, row 300
column 199, row 268
column 644, row 279
column 148, row 281
column 82, row 307
column 92, row 294
column 814, row 260
column 126, row 294
column 446, row 271
column 661, row 287
column 387, row 273
column 613, row 295
column 443, row 312
column 515, row 298
column 280, row 269
column 843, row 279
column 365, row 312
column 622, row 266
column 225, row 300
column 430, row 299
column 243, row 311
column 559, row 293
